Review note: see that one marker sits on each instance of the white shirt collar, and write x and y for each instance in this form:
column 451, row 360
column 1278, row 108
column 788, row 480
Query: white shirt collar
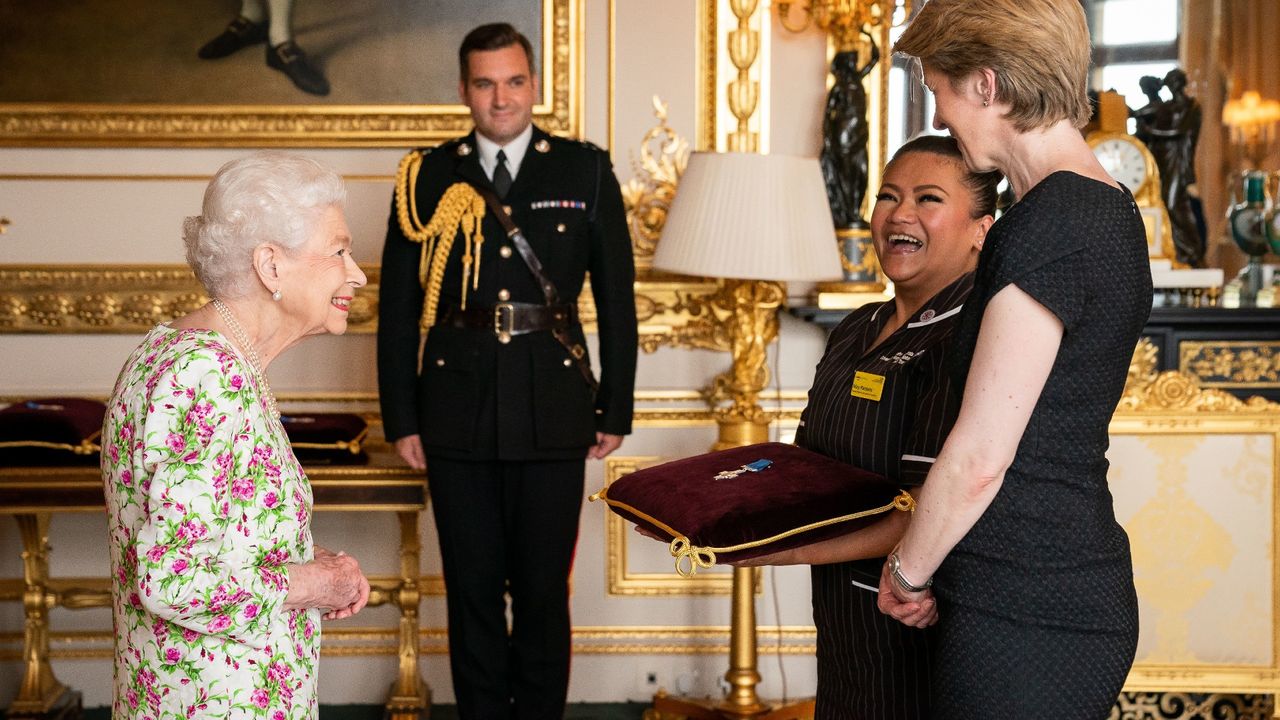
column 515, row 152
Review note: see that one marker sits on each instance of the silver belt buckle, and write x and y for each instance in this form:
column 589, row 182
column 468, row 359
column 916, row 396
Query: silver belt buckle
column 501, row 327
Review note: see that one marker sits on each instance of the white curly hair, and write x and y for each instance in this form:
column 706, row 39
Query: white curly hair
column 266, row 197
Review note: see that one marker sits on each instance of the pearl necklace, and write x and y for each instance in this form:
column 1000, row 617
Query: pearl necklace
column 242, row 338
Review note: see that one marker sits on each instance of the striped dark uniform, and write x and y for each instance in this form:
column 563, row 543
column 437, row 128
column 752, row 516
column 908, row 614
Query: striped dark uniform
column 870, row 666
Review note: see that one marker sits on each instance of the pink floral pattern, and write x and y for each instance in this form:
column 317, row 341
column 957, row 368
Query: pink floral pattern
column 206, row 505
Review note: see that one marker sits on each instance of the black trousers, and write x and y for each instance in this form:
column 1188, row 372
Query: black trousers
column 507, row 528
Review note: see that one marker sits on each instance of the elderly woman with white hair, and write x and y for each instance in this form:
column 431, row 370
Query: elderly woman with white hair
column 217, row 589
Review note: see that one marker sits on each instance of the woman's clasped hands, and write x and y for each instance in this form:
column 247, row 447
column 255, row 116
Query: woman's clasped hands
column 332, row 582
column 917, row 609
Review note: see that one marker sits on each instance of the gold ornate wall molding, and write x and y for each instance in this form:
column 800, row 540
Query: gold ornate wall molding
column 74, row 299
column 670, row 409
column 708, row 51
column 560, row 111
column 743, row 91
column 1194, row 474
column 587, row 640
column 745, row 30
column 131, row 299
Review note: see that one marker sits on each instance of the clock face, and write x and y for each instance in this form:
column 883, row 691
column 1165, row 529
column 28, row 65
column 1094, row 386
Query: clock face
column 1123, row 160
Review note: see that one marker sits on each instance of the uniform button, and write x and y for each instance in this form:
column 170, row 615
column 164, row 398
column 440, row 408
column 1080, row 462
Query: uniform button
column 567, row 362
column 503, row 295
column 505, row 251
column 439, row 362
column 560, row 227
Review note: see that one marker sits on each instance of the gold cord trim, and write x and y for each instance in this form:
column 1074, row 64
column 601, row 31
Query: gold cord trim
column 87, row 446
column 353, row 445
column 460, row 209
column 690, row 557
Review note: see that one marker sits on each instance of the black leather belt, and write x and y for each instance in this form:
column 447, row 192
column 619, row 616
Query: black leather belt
column 511, row 318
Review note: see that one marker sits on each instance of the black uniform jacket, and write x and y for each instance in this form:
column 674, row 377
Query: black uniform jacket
column 473, row 398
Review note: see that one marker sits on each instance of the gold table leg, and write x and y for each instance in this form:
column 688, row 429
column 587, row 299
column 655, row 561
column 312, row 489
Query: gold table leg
column 40, row 695
column 410, row 696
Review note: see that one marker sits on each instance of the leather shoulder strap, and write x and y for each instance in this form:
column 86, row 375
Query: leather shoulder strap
column 522, row 245
column 576, row 351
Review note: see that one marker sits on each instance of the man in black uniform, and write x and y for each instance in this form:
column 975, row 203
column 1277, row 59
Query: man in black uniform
column 503, row 408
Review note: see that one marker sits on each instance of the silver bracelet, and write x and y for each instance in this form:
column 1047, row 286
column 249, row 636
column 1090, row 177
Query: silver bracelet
column 895, row 569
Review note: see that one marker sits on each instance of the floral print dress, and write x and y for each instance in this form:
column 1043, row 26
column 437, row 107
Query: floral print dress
column 206, row 505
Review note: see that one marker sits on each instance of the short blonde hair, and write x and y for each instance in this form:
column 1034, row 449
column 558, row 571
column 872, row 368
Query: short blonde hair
column 266, row 197
column 1038, row 49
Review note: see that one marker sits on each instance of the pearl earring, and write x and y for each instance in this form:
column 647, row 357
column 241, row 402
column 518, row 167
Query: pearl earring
column 276, row 296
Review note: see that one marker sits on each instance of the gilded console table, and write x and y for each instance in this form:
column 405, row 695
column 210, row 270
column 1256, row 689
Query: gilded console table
column 33, row 495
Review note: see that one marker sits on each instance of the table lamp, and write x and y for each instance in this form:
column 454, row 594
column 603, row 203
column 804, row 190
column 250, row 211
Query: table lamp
column 751, row 221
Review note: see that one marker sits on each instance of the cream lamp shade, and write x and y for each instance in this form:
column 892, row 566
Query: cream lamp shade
column 750, row 217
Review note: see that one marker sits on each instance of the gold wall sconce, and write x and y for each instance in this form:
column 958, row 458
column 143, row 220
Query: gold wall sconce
column 843, row 20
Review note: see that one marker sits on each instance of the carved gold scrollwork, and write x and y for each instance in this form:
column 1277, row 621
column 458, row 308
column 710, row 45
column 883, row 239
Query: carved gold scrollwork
column 1172, row 390
column 1142, row 368
column 748, row 315
column 119, row 298
column 648, row 194
column 673, row 310
column 1179, row 705
column 1147, row 390
column 1232, row 363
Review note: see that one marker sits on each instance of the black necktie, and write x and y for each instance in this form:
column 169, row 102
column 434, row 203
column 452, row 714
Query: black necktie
column 501, row 175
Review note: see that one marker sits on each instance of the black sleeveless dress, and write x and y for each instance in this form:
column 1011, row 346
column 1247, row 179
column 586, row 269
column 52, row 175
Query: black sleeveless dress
column 1039, row 617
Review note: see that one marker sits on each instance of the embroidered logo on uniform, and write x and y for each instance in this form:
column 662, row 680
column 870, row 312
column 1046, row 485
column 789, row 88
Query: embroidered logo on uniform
column 570, row 204
column 927, row 315
column 901, row 358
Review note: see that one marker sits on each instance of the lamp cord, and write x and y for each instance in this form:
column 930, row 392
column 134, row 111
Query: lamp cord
column 773, row 572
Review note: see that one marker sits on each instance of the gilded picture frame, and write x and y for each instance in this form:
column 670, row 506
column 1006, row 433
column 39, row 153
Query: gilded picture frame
column 308, row 121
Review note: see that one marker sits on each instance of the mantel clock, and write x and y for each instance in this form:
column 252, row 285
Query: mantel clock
column 1129, row 162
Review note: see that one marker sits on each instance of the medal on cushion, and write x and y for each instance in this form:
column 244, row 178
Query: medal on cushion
column 754, row 467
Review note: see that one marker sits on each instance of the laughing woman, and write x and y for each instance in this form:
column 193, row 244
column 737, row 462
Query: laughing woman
column 929, row 221
column 218, row 590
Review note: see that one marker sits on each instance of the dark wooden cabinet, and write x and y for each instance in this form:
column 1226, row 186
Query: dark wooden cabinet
column 1234, row 349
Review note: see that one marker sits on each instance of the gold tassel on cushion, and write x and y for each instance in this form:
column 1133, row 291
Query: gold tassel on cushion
column 460, row 209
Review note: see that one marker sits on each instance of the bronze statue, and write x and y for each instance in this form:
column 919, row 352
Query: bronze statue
column 844, row 137
column 1146, row 115
column 1171, row 129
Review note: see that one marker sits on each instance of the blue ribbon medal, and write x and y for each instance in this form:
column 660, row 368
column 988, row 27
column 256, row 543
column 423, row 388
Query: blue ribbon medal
column 754, row 467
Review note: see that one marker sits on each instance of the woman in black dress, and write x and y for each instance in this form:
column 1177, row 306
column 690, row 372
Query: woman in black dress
column 928, row 222
column 1032, row 574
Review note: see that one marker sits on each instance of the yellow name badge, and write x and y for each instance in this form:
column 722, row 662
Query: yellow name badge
column 867, row 386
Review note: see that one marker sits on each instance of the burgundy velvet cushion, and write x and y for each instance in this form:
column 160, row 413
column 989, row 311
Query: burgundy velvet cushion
column 801, row 498
column 51, row 431
column 327, row 438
